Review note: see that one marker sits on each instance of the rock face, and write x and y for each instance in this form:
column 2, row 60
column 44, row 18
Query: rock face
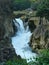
column 40, row 38
column 7, row 29
column 7, row 51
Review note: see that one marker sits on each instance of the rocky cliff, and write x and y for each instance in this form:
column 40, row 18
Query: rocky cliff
column 40, row 38
column 7, row 30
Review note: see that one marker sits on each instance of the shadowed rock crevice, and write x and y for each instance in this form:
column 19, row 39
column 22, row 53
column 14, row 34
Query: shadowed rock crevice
column 32, row 26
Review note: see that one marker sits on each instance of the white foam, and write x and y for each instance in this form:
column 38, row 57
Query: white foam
column 20, row 42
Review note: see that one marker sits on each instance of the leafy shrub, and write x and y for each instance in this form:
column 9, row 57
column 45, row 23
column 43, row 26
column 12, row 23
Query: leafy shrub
column 21, row 4
column 16, row 62
column 43, row 58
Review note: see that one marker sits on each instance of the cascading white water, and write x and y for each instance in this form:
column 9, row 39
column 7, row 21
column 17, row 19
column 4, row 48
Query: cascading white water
column 20, row 41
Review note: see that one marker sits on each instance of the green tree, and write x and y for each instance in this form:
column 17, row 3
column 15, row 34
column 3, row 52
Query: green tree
column 34, row 4
column 6, row 7
column 21, row 4
column 43, row 9
column 43, row 58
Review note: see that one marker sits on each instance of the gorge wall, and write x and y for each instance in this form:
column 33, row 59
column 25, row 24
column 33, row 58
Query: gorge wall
column 7, row 30
column 40, row 37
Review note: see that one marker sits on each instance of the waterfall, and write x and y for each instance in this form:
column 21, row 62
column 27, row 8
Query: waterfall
column 21, row 40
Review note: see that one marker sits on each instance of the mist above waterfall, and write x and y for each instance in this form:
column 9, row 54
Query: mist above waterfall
column 21, row 40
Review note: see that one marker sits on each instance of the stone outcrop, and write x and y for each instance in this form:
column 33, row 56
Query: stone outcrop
column 40, row 38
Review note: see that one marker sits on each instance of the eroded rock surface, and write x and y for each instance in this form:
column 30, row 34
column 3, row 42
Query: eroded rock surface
column 40, row 38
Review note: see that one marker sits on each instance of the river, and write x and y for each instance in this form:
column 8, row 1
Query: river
column 21, row 40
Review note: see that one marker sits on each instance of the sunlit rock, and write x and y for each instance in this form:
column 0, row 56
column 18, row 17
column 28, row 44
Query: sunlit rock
column 40, row 38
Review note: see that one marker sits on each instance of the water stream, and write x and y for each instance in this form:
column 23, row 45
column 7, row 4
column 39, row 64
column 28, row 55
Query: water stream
column 21, row 40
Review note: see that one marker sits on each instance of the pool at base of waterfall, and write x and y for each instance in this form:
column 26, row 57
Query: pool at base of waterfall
column 21, row 40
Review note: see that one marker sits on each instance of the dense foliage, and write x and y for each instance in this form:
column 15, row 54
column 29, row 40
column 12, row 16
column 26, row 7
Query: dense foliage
column 16, row 62
column 43, row 58
column 34, row 4
column 6, row 7
column 21, row 4
column 43, row 8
